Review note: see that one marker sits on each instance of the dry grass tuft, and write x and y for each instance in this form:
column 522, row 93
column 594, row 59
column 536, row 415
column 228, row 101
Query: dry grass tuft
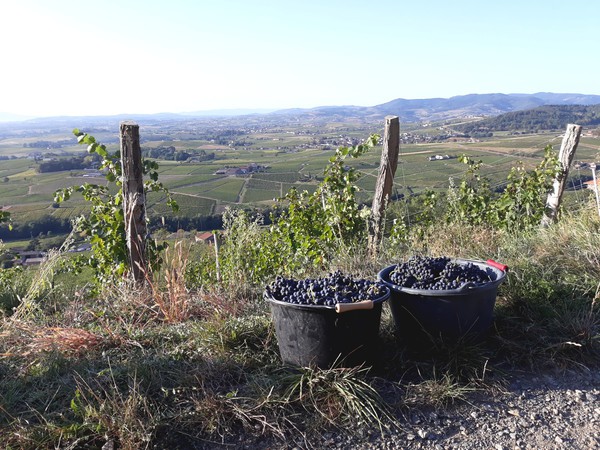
column 437, row 392
column 26, row 339
column 170, row 296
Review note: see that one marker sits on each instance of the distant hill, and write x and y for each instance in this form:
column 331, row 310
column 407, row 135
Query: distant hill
column 433, row 109
column 8, row 117
column 548, row 117
column 409, row 110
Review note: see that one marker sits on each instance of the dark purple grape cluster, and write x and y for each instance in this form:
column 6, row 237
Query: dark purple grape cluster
column 423, row 272
column 330, row 290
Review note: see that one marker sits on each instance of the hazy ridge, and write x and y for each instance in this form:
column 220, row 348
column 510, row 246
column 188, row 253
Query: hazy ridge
column 409, row 110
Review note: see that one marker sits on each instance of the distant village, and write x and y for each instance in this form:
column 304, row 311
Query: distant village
column 242, row 170
column 23, row 257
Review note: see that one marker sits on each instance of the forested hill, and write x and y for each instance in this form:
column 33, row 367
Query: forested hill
column 548, row 117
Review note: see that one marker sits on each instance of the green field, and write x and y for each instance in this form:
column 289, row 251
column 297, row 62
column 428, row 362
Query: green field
column 291, row 158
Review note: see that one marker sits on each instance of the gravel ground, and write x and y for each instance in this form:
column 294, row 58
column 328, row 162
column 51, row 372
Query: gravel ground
column 548, row 411
column 537, row 412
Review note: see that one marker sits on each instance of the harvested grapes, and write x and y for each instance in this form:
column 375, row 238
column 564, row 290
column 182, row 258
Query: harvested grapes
column 442, row 273
column 327, row 291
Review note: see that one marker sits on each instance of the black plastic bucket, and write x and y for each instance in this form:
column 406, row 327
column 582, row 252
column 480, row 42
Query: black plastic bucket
column 422, row 316
column 318, row 336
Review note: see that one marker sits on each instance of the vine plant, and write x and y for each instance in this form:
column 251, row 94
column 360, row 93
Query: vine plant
column 104, row 224
column 314, row 224
column 521, row 204
column 5, row 217
column 523, row 201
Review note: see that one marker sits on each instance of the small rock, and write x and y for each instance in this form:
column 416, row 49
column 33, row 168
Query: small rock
column 514, row 412
column 422, row 434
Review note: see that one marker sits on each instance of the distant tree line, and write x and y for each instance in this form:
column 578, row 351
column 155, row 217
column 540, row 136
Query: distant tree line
column 48, row 144
column 174, row 223
column 550, row 117
column 28, row 230
column 170, row 153
column 57, row 165
column 48, row 225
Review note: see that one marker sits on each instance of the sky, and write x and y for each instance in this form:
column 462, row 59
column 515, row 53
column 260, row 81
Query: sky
column 104, row 57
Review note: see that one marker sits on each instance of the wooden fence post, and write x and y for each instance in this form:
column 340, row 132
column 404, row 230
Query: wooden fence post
column 134, row 199
column 565, row 156
column 385, row 180
column 593, row 167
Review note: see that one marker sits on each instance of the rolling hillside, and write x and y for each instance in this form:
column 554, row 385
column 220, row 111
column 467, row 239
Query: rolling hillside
column 549, row 117
column 432, row 109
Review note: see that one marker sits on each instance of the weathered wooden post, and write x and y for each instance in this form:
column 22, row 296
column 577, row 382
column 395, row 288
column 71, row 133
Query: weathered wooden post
column 565, row 156
column 385, row 180
column 593, row 167
column 134, row 199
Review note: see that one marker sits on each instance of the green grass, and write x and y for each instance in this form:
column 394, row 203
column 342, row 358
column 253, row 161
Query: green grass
column 226, row 189
column 188, row 364
column 260, row 195
column 192, row 205
column 289, row 177
column 189, row 181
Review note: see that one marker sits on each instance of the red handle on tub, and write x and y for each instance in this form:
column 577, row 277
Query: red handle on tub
column 497, row 265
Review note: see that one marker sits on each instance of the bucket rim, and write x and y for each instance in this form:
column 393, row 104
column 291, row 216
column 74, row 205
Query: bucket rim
column 381, row 299
column 383, row 277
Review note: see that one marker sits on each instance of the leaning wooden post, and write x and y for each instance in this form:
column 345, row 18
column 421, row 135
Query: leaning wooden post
column 385, row 180
column 134, row 199
column 565, row 156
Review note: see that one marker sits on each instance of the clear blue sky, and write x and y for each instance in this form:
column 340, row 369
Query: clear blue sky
column 74, row 57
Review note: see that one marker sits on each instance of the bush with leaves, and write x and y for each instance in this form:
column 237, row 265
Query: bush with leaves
column 523, row 201
column 14, row 283
column 469, row 201
column 249, row 253
column 104, row 224
column 306, row 230
column 520, row 206
column 313, row 225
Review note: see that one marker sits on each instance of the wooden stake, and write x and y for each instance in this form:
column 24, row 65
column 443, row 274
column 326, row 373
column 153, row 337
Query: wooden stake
column 565, row 156
column 593, row 167
column 217, row 266
column 385, row 180
column 134, row 199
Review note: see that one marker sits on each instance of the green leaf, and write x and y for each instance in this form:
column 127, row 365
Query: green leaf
column 89, row 139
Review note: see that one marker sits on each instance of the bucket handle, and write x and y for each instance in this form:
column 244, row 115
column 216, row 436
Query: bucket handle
column 497, row 265
column 344, row 307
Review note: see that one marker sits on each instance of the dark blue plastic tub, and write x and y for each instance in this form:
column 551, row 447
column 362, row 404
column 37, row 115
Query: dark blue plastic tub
column 318, row 336
column 428, row 315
